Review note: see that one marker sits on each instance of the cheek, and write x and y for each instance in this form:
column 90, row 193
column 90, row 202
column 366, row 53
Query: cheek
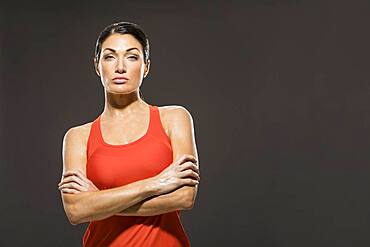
column 137, row 69
column 106, row 73
column 106, row 68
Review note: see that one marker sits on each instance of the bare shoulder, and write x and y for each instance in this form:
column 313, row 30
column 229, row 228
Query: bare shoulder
column 78, row 133
column 175, row 117
column 74, row 148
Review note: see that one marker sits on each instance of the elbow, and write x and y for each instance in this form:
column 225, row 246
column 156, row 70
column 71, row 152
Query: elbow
column 188, row 205
column 189, row 198
column 76, row 210
column 73, row 221
column 73, row 215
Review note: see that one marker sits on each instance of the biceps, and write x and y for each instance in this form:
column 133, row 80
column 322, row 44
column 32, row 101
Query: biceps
column 73, row 152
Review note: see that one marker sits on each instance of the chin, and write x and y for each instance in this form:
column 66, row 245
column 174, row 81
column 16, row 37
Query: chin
column 119, row 92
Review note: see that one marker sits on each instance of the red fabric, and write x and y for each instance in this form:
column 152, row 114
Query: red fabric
column 110, row 166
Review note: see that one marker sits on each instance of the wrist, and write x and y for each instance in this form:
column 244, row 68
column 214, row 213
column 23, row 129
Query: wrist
column 152, row 187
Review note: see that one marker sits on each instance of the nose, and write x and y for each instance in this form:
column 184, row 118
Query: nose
column 121, row 67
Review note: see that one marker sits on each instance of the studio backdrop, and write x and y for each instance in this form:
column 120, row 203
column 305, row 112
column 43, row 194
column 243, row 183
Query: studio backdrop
column 279, row 93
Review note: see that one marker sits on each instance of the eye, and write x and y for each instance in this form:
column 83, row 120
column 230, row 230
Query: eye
column 108, row 56
column 133, row 57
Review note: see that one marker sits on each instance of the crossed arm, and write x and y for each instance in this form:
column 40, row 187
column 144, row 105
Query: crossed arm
column 141, row 204
column 180, row 199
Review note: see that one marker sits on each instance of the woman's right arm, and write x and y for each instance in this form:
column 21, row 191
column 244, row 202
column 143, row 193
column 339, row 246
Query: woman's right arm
column 101, row 204
column 96, row 205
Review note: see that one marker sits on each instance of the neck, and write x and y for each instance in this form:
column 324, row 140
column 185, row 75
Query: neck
column 119, row 105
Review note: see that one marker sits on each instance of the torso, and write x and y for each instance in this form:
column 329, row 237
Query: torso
column 113, row 133
column 110, row 166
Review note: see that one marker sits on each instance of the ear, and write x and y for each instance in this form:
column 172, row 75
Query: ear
column 96, row 66
column 147, row 67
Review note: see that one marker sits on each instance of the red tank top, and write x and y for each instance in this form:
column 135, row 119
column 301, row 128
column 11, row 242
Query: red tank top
column 110, row 166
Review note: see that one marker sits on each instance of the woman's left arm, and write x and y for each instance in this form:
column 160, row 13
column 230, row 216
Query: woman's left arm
column 181, row 133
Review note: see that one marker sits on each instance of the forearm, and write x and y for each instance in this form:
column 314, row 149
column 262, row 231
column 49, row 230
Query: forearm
column 176, row 200
column 97, row 205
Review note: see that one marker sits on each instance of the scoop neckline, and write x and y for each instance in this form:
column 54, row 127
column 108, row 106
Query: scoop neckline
column 130, row 143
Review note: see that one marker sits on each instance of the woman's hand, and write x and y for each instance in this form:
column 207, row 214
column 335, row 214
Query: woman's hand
column 74, row 182
column 181, row 172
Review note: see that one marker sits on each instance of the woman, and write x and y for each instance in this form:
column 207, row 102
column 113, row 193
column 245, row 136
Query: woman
column 131, row 170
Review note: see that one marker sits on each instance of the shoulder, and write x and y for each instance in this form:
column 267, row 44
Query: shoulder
column 175, row 118
column 174, row 111
column 77, row 134
column 74, row 147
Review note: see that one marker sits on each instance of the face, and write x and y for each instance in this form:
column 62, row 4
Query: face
column 121, row 56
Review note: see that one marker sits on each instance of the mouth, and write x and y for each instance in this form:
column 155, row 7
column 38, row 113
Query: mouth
column 120, row 80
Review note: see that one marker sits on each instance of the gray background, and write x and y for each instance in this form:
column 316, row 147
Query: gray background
column 279, row 92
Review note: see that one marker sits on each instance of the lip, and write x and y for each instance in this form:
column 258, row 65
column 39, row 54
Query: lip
column 120, row 79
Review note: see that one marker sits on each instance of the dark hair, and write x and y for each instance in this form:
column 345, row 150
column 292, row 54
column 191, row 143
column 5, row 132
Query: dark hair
column 123, row 28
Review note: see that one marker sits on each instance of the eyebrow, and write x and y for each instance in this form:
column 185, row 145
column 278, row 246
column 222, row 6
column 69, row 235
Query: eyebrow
column 129, row 49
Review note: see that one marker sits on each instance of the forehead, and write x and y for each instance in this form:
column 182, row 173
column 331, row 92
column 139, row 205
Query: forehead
column 121, row 42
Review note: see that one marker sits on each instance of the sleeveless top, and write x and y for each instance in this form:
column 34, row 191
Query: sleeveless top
column 111, row 166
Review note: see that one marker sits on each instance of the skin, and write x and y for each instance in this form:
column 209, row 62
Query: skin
column 175, row 188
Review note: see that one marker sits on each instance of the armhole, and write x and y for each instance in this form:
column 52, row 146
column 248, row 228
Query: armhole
column 89, row 150
column 161, row 127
